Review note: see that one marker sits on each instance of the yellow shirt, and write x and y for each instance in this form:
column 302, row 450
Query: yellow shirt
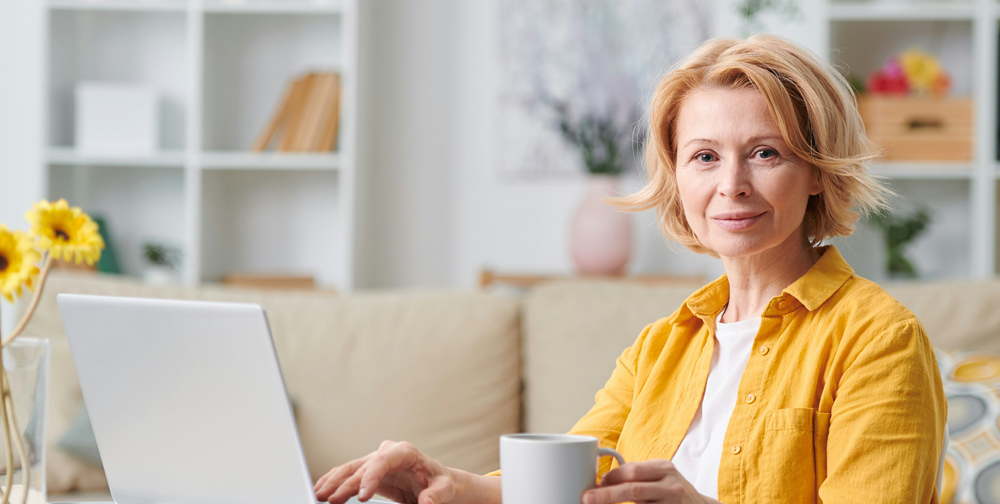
column 841, row 400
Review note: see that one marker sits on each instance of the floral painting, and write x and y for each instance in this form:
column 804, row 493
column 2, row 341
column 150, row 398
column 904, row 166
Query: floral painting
column 586, row 59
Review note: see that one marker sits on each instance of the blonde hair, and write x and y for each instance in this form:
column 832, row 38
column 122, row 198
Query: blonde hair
column 813, row 106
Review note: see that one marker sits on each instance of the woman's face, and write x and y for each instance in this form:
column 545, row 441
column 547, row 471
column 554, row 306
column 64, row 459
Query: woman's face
column 744, row 193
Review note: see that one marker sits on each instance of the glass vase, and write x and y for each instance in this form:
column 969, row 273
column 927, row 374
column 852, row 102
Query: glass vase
column 26, row 361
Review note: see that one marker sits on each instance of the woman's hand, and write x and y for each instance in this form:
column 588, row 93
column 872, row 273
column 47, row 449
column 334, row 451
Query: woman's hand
column 398, row 471
column 652, row 481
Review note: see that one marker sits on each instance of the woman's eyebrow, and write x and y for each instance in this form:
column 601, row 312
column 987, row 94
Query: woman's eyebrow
column 749, row 140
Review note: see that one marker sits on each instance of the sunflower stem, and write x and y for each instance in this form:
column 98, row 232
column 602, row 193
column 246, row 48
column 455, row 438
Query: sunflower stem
column 39, row 287
column 19, row 443
column 8, row 449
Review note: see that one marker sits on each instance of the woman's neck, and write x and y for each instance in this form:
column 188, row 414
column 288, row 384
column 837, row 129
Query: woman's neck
column 754, row 280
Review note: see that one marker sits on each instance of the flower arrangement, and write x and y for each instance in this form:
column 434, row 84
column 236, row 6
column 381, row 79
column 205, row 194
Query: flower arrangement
column 57, row 231
column 912, row 72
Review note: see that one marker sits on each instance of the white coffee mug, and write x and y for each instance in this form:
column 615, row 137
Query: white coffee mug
column 549, row 468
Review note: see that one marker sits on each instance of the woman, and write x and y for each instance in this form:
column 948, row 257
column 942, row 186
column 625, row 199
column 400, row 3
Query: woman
column 789, row 379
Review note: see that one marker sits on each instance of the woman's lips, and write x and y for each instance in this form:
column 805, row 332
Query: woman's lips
column 737, row 221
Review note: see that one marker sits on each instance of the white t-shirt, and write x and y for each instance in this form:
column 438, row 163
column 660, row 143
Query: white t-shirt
column 700, row 452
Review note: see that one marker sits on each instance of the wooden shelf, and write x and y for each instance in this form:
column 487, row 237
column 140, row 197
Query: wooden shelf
column 275, row 7
column 911, row 11
column 69, row 156
column 907, row 170
column 119, row 5
column 270, row 161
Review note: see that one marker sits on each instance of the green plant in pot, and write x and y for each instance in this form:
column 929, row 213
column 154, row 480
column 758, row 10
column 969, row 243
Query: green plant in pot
column 898, row 231
column 600, row 236
column 162, row 262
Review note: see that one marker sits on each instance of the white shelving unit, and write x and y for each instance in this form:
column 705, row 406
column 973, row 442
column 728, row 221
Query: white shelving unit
column 221, row 67
column 961, row 196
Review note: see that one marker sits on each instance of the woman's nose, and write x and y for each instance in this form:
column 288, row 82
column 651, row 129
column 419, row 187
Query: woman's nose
column 734, row 179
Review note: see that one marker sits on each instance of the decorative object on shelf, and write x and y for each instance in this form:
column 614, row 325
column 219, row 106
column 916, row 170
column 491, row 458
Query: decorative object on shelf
column 57, row 231
column 273, row 281
column 162, row 263
column 913, row 73
column 907, row 113
column 897, row 232
column 109, row 261
column 116, row 118
column 600, row 236
column 749, row 10
column 307, row 117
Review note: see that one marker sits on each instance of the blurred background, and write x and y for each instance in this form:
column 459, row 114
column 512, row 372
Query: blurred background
column 358, row 144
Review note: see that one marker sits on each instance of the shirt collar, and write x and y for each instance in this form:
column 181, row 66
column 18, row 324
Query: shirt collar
column 825, row 278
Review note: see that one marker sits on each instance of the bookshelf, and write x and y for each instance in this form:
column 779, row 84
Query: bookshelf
column 962, row 239
column 857, row 36
column 220, row 67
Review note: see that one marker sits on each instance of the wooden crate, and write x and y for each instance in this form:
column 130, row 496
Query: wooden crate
column 919, row 129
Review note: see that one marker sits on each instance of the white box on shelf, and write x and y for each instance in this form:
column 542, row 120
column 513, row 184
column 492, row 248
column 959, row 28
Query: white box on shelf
column 116, row 118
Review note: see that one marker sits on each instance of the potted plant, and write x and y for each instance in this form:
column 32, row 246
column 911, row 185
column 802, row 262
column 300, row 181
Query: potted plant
column 600, row 236
column 162, row 263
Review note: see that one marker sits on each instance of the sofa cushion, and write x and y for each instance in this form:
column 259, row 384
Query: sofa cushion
column 437, row 368
column 956, row 315
column 572, row 333
column 972, row 463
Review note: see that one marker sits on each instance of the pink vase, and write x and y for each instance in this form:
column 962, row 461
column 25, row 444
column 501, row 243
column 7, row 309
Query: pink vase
column 600, row 236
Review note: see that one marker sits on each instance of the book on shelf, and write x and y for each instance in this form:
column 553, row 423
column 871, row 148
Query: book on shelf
column 306, row 119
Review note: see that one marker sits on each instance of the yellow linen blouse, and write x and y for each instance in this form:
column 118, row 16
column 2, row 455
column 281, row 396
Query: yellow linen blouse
column 841, row 400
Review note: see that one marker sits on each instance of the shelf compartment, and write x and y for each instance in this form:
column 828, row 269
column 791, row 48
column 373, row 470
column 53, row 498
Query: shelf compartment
column 249, row 60
column 70, row 157
column 272, row 222
column 903, row 170
column 274, row 7
column 136, row 205
column 115, row 46
column 270, row 161
column 119, row 5
column 861, row 48
column 925, row 11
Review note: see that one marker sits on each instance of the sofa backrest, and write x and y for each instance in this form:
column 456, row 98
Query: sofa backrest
column 574, row 331
column 437, row 368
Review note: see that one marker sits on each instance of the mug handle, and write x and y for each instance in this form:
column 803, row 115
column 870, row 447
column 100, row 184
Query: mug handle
column 608, row 452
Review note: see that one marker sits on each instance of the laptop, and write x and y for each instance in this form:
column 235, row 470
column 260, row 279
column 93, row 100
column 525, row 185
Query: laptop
column 187, row 401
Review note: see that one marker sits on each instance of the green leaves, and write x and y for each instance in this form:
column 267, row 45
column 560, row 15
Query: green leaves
column 898, row 231
column 598, row 139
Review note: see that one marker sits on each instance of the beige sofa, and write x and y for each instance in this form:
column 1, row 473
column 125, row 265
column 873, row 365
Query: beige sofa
column 449, row 370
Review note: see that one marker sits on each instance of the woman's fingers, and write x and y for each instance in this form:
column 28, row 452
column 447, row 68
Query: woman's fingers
column 389, row 458
column 625, row 492
column 650, row 470
column 338, row 473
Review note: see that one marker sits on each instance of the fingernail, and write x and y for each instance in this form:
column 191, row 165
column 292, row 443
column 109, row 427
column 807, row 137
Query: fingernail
column 588, row 499
column 361, row 493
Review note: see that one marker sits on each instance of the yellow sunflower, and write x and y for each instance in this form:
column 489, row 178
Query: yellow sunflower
column 66, row 232
column 18, row 262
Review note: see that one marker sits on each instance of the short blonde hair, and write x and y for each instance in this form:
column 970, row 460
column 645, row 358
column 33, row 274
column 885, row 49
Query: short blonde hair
column 813, row 106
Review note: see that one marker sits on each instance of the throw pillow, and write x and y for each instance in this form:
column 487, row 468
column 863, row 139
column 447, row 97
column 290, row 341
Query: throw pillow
column 972, row 461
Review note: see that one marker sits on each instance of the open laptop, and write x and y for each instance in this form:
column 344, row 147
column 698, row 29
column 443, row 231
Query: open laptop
column 187, row 401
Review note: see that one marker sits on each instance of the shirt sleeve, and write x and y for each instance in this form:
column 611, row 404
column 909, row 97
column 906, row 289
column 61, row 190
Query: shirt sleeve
column 887, row 423
column 613, row 403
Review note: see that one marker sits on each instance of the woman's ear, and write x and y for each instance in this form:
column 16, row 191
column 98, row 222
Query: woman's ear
column 817, row 185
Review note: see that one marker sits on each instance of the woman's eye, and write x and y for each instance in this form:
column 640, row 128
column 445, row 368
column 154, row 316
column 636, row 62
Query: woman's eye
column 705, row 157
column 767, row 153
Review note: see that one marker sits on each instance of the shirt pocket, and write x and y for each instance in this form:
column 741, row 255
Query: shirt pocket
column 787, row 469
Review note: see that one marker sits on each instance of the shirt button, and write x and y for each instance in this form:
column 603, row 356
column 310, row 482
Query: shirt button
column 735, row 449
column 751, row 398
column 782, row 304
column 763, row 349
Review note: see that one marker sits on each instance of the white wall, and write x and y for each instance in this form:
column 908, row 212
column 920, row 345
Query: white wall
column 21, row 179
column 436, row 211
